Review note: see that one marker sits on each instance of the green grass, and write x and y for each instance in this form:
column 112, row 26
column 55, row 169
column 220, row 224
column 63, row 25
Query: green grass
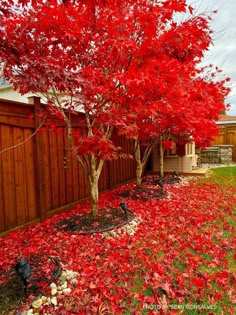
column 225, row 172
column 222, row 176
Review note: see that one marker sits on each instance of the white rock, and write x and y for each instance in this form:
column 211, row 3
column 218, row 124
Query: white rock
column 54, row 301
column 53, row 285
column 67, row 291
column 71, row 274
column 37, row 303
column 64, row 285
column 74, row 281
column 75, row 274
column 54, row 292
column 63, row 274
column 62, row 278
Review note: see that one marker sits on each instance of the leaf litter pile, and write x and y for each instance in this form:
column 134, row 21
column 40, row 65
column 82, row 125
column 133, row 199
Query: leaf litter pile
column 181, row 256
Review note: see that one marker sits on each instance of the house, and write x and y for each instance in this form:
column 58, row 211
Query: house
column 182, row 158
column 7, row 92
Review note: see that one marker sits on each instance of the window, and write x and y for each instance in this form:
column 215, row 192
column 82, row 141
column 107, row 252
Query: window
column 170, row 152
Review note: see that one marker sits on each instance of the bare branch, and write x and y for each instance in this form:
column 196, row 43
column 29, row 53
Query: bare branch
column 22, row 143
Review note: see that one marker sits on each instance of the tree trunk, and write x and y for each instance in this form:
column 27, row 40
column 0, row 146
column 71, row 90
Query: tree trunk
column 93, row 187
column 93, row 178
column 161, row 156
column 139, row 165
column 139, row 172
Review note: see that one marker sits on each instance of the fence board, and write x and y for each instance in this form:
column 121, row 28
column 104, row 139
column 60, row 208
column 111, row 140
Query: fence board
column 231, row 139
column 47, row 171
column 30, row 176
column 2, row 213
column 33, row 181
column 61, row 170
column 8, row 178
column 81, row 182
column 15, row 121
column 15, row 109
column 20, row 177
column 69, row 171
column 54, row 170
column 76, row 187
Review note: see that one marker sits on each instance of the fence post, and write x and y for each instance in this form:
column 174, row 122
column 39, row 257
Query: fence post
column 39, row 160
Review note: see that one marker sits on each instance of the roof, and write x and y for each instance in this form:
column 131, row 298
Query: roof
column 225, row 119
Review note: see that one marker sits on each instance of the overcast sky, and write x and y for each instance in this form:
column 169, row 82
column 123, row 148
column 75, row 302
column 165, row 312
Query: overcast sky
column 223, row 52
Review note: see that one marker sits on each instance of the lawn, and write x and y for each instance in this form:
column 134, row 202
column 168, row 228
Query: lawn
column 224, row 176
column 177, row 257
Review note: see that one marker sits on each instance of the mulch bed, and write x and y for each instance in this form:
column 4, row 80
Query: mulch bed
column 168, row 179
column 12, row 294
column 146, row 192
column 105, row 220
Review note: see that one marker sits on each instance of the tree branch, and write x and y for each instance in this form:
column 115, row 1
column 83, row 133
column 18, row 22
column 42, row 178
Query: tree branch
column 22, row 143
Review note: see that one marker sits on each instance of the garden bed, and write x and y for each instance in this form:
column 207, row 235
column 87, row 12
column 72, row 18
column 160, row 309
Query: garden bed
column 106, row 220
column 181, row 254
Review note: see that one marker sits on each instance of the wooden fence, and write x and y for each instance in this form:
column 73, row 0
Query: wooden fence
column 227, row 135
column 41, row 177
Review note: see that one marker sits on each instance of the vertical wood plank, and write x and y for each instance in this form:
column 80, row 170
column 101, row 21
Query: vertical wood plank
column 30, row 176
column 85, row 180
column 101, row 180
column 61, row 169
column 2, row 206
column 129, row 161
column 20, row 177
column 69, row 170
column 54, row 170
column 47, row 172
column 81, row 181
column 8, row 178
column 78, row 177
column 106, row 176
column 38, row 158
column 76, row 187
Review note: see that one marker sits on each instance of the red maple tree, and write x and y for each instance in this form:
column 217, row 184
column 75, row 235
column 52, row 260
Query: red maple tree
column 116, row 61
column 184, row 112
column 183, row 101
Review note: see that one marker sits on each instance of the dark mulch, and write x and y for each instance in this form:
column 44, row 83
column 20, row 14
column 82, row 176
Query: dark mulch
column 12, row 293
column 168, row 179
column 143, row 193
column 146, row 192
column 105, row 220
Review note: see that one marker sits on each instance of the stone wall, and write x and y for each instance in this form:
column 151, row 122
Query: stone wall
column 226, row 153
column 217, row 154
